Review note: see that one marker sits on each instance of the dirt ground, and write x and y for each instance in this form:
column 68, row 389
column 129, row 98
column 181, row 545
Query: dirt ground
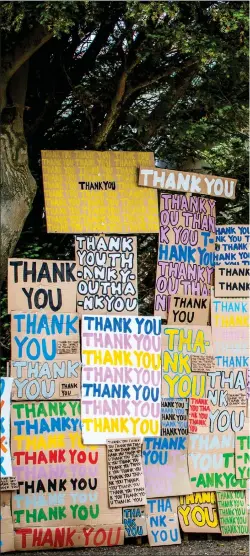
column 238, row 546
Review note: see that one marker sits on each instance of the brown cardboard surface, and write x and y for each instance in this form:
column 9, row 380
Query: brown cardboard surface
column 242, row 455
column 162, row 522
column 8, row 483
column 106, row 274
column 187, row 182
column 42, row 380
column 230, row 313
column 198, row 513
column 125, row 476
column 189, row 310
column 198, row 415
column 232, row 245
column 226, row 391
column 233, row 281
column 49, row 538
column 232, row 513
column 174, row 417
column 95, row 192
column 44, row 336
column 6, row 527
column 134, row 521
column 202, row 363
column 35, row 284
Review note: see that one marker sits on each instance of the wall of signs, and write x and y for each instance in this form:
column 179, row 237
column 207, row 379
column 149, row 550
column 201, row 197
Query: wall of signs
column 116, row 425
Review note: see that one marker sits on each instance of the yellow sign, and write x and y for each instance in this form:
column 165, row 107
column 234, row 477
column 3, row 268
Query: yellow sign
column 95, row 192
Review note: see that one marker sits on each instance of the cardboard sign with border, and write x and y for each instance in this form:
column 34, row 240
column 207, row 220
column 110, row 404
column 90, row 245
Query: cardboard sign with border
column 232, row 245
column 35, row 284
column 162, row 522
column 96, row 192
column 202, row 363
column 134, row 521
column 187, row 182
column 233, row 281
column 125, row 476
column 174, row 417
column 198, row 513
column 185, row 310
column 232, row 513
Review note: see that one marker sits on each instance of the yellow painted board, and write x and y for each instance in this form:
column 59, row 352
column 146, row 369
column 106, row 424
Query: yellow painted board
column 77, row 199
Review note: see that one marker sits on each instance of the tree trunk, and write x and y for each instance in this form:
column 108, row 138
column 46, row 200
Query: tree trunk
column 18, row 187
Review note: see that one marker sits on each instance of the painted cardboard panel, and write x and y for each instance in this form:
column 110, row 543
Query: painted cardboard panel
column 61, row 481
column 95, row 192
column 202, row 363
column 134, row 521
column 165, row 466
column 226, row 391
column 211, row 462
column 174, row 417
column 125, row 476
column 198, row 513
column 232, row 513
column 121, row 392
column 162, row 522
column 50, row 538
column 5, row 455
column 232, row 245
column 35, row 284
column 106, row 274
column 242, row 454
column 44, row 336
column 230, row 313
column 187, row 182
column 7, row 532
column 8, row 483
column 179, row 343
column 232, row 282
column 189, row 310
column 198, row 415
column 185, row 263
column 45, row 380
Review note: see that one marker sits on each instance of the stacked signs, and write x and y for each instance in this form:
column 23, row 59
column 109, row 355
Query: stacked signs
column 122, row 425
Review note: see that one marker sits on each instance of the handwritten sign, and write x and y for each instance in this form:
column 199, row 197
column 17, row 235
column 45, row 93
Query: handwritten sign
column 202, row 363
column 198, row 415
column 242, row 455
column 230, row 313
column 187, row 182
column 48, row 453
column 35, row 284
column 198, row 513
column 50, row 538
column 44, row 336
column 226, row 391
column 211, row 462
column 125, row 475
column 232, row 282
column 94, row 192
column 186, row 248
column 232, row 245
column 189, row 310
column 8, row 483
column 174, row 417
column 7, row 532
column 165, row 466
column 107, row 274
column 134, row 521
column 121, row 392
column 162, row 522
column 5, row 456
column 46, row 380
column 232, row 513
column 178, row 344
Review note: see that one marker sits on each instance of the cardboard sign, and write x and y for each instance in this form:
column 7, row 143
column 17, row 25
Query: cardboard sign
column 125, row 475
column 5, row 455
column 232, row 513
column 50, row 538
column 46, row 380
column 61, row 481
column 198, row 415
column 189, row 310
column 232, row 282
column 134, row 521
column 7, row 532
column 186, row 248
column 187, row 182
column 8, row 483
column 198, row 513
column 165, row 466
column 44, row 337
column 202, row 363
column 226, row 391
column 242, row 455
column 232, row 245
column 121, row 392
column 35, row 284
column 211, row 462
column 174, row 417
column 162, row 522
column 178, row 344
column 230, row 313
column 95, row 192
column 106, row 274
